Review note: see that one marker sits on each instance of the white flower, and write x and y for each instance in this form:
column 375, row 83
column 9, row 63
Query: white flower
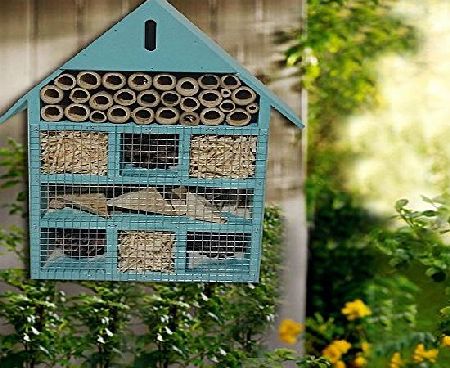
column 223, row 352
column 100, row 340
column 159, row 338
column 33, row 330
column 169, row 331
column 31, row 319
column 108, row 332
column 26, row 338
column 204, row 297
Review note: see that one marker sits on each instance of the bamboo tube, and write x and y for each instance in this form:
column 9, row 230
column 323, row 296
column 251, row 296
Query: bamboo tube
column 79, row 95
column 139, row 81
column 89, row 80
column 189, row 104
column 164, row 82
column 170, row 98
column 209, row 81
column 101, row 101
column 243, row 96
column 225, row 92
column 167, row 115
column 190, row 118
column 150, row 98
column 52, row 113
column 253, row 108
column 51, row 94
column 238, row 117
column 114, row 81
column 212, row 116
column 118, row 114
column 77, row 112
column 210, row 98
column 187, row 86
column 125, row 97
column 230, row 81
column 98, row 116
column 143, row 115
column 227, row 106
column 66, row 81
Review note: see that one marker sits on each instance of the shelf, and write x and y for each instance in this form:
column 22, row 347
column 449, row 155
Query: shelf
column 251, row 129
column 71, row 218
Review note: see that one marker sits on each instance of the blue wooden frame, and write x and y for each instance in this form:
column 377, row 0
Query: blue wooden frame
column 106, row 269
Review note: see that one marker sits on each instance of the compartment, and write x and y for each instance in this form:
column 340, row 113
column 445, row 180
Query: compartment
column 200, row 203
column 140, row 152
column 223, row 252
column 74, row 152
column 141, row 251
column 149, row 97
column 73, row 249
column 222, row 156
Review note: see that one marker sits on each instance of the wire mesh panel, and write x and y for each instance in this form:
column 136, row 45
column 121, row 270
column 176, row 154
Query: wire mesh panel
column 73, row 245
column 150, row 151
column 221, row 252
column 148, row 176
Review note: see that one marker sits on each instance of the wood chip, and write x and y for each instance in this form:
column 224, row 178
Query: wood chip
column 141, row 251
column 74, row 152
column 147, row 200
column 223, row 156
column 95, row 203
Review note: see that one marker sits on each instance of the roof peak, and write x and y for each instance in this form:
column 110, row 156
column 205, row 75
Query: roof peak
column 121, row 48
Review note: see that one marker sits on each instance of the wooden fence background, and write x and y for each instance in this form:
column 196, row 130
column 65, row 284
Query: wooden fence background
column 36, row 36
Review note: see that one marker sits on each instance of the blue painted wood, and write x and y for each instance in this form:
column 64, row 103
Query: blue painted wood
column 59, row 274
column 34, row 185
column 122, row 47
column 72, row 218
column 259, row 193
column 152, row 179
column 148, row 129
column 111, row 250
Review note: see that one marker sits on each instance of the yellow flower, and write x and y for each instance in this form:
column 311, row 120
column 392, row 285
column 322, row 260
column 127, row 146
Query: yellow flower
column 289, row 330
column 445, row 341
column 421, row 354
column 343, row 346
column 360, row 362
column 335, row 350
column 356, row 309
column 339, row 364
column 365, row 347
column 396, row 361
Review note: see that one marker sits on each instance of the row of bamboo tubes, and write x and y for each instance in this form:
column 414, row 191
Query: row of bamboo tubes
column 163, row 98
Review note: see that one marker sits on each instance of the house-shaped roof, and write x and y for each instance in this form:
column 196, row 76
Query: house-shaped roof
column 181, row 47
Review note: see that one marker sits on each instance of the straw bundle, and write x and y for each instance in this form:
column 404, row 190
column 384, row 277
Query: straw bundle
column 141, row 251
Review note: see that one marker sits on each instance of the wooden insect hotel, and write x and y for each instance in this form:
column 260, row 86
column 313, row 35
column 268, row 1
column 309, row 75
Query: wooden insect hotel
column 147, row 158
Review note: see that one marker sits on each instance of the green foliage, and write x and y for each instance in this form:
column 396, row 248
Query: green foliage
column 422, row 239
column 40, row 328
column 278, row 359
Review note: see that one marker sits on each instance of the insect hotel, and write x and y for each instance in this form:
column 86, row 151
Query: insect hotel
column 147, row 158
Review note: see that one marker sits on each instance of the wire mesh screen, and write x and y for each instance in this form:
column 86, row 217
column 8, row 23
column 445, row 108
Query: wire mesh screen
column 147, row 176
